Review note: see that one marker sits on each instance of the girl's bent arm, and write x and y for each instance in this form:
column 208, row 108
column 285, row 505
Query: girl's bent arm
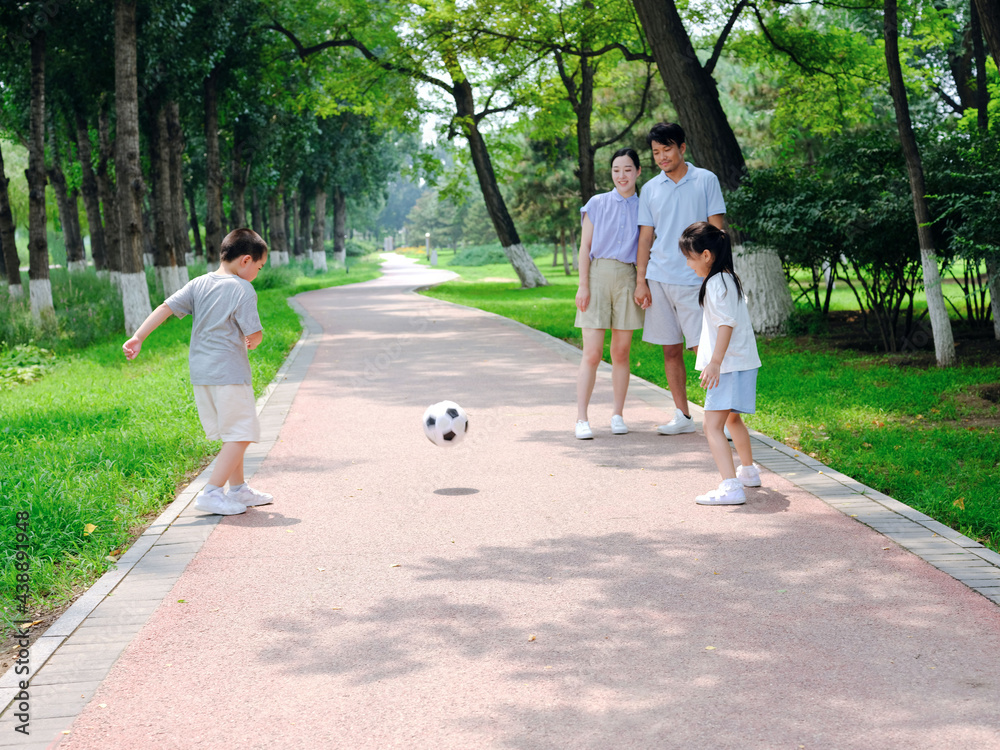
column 710, row 375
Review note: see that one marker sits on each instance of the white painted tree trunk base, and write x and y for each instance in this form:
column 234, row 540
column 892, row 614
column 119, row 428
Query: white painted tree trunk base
column 182, row 277
column 189, row 258
column 278, row 258
column 76, row 266
column 115, row 277
column 340, row 258
column 993, row 279
column 768, row 299
column 135, row 300
column 147, row 259
column 319, row 262
column 525, row 266
column 40, row 294
column 16, row 291
column 104, row 275
column 944, row 341
column 168, row 279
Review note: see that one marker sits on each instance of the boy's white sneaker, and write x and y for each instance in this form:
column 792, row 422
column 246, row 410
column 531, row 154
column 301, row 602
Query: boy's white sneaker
column 216, row 501
column 678, row 425
column 250, row 497
column 730, row 492
column 583, row 431
column 618, row 426
column 749, row 476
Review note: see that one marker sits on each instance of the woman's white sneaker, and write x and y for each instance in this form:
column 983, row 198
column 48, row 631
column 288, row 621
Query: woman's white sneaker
column 618, row 426
column 583, row 431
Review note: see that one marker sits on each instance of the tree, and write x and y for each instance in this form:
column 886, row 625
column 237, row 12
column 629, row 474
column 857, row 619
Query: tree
column 7, row 245
column 437, row 44
column 135, row 293
column 713, row 143
column 944, row 344
column 39, row 285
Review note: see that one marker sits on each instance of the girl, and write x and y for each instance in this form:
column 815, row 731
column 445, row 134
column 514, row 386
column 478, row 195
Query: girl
column 608, row 245
column 727, row 359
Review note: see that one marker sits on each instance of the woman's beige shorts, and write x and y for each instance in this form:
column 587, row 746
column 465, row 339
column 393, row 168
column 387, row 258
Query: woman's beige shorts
column 228, row 412
column 612, row 297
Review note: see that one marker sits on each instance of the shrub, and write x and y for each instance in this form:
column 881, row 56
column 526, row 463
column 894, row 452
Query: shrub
column 484, row 255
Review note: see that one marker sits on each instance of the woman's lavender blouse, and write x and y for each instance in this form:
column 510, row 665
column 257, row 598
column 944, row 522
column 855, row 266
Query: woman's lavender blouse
column 616, row 226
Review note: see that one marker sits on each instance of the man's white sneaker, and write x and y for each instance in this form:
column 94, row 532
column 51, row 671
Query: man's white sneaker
column 216, row 501
column 678, row 425
column 618, row 426
column 730, row 492
column 583, row 431
column 749, row 476
column 250, row 497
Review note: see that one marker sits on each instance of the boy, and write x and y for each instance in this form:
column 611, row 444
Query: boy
column 679, row 196
column 226, row 326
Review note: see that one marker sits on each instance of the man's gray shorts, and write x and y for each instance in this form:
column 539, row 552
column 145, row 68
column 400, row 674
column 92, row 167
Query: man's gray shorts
column 674, row 316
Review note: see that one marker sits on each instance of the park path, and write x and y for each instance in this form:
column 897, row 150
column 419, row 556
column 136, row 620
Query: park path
column 528, row 590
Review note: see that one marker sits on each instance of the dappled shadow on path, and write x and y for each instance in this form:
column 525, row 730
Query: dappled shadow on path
column 671, row 639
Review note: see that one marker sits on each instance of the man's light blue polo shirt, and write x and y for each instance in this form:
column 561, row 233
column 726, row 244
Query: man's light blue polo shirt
column 670, row 209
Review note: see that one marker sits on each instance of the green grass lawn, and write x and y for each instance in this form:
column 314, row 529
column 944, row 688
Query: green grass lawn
column 98, row 446
column 918, row 433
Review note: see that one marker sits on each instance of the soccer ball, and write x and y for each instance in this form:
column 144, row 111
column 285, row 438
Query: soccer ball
column 445, row 423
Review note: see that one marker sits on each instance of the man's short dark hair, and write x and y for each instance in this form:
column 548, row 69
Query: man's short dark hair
column 242, row 242
column 666, row 133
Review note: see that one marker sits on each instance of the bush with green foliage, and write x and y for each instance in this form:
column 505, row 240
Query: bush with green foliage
column 484, row 255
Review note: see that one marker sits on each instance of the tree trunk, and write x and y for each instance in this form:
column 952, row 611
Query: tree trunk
column 286, row 215
column 304, row 227
column 39, row 285
column 582, row 101
column 993, row 280
column 339, row 225
column 503, row 224
column 199, row 250
column 7, row 244
column 239, row 188
column 319, row 228
column 710, row 137
column 91, row 201
column 135, row 293
column 213, row 181
column 979, row 53
column 944, row 344
column 106, row 191
column 258, row 224
column 277, row 223
column 164, row 231
column 71, row 240
column 989, row 19
column 175, row 146
column 76, row 254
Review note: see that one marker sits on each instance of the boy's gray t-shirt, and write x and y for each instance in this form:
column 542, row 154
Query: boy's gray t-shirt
column 225, row 313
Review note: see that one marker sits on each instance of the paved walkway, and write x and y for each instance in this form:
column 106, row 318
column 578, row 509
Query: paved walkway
column 521, row 590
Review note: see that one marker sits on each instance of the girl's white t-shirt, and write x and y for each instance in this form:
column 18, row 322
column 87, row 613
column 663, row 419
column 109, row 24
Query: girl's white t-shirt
column 724, row 307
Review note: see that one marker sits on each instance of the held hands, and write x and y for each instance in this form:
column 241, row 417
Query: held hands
column 642, row 296
column 582, row 298
column 710, row 376
column 132, row 347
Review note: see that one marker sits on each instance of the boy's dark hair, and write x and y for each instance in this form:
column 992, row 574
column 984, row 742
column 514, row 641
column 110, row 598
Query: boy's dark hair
column 702, row 236
column 630, row 153
column 242, row 242
column 666, row 133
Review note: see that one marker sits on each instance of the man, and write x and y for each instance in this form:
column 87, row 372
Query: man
column 665, row 287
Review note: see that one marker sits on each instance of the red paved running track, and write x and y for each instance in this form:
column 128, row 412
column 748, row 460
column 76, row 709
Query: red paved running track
column 527, row 590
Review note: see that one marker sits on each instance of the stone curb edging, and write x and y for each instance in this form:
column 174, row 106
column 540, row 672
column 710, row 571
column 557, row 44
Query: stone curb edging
column 950, row 551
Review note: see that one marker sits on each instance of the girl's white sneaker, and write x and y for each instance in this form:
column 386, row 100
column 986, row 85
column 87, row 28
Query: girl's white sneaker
column 730, row 492
column 749, row 476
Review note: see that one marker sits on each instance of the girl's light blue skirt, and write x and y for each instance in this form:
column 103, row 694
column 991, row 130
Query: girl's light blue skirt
column 736, row 391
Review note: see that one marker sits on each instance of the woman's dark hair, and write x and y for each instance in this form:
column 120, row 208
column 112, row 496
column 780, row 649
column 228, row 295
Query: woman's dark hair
column 630, row 153
column 702, row 236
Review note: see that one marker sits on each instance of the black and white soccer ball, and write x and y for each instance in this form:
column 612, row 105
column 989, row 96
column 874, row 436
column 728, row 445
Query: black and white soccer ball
column 445, row 423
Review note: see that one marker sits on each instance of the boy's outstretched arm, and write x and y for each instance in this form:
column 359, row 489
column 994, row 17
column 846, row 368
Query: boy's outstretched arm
column 133, row 346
